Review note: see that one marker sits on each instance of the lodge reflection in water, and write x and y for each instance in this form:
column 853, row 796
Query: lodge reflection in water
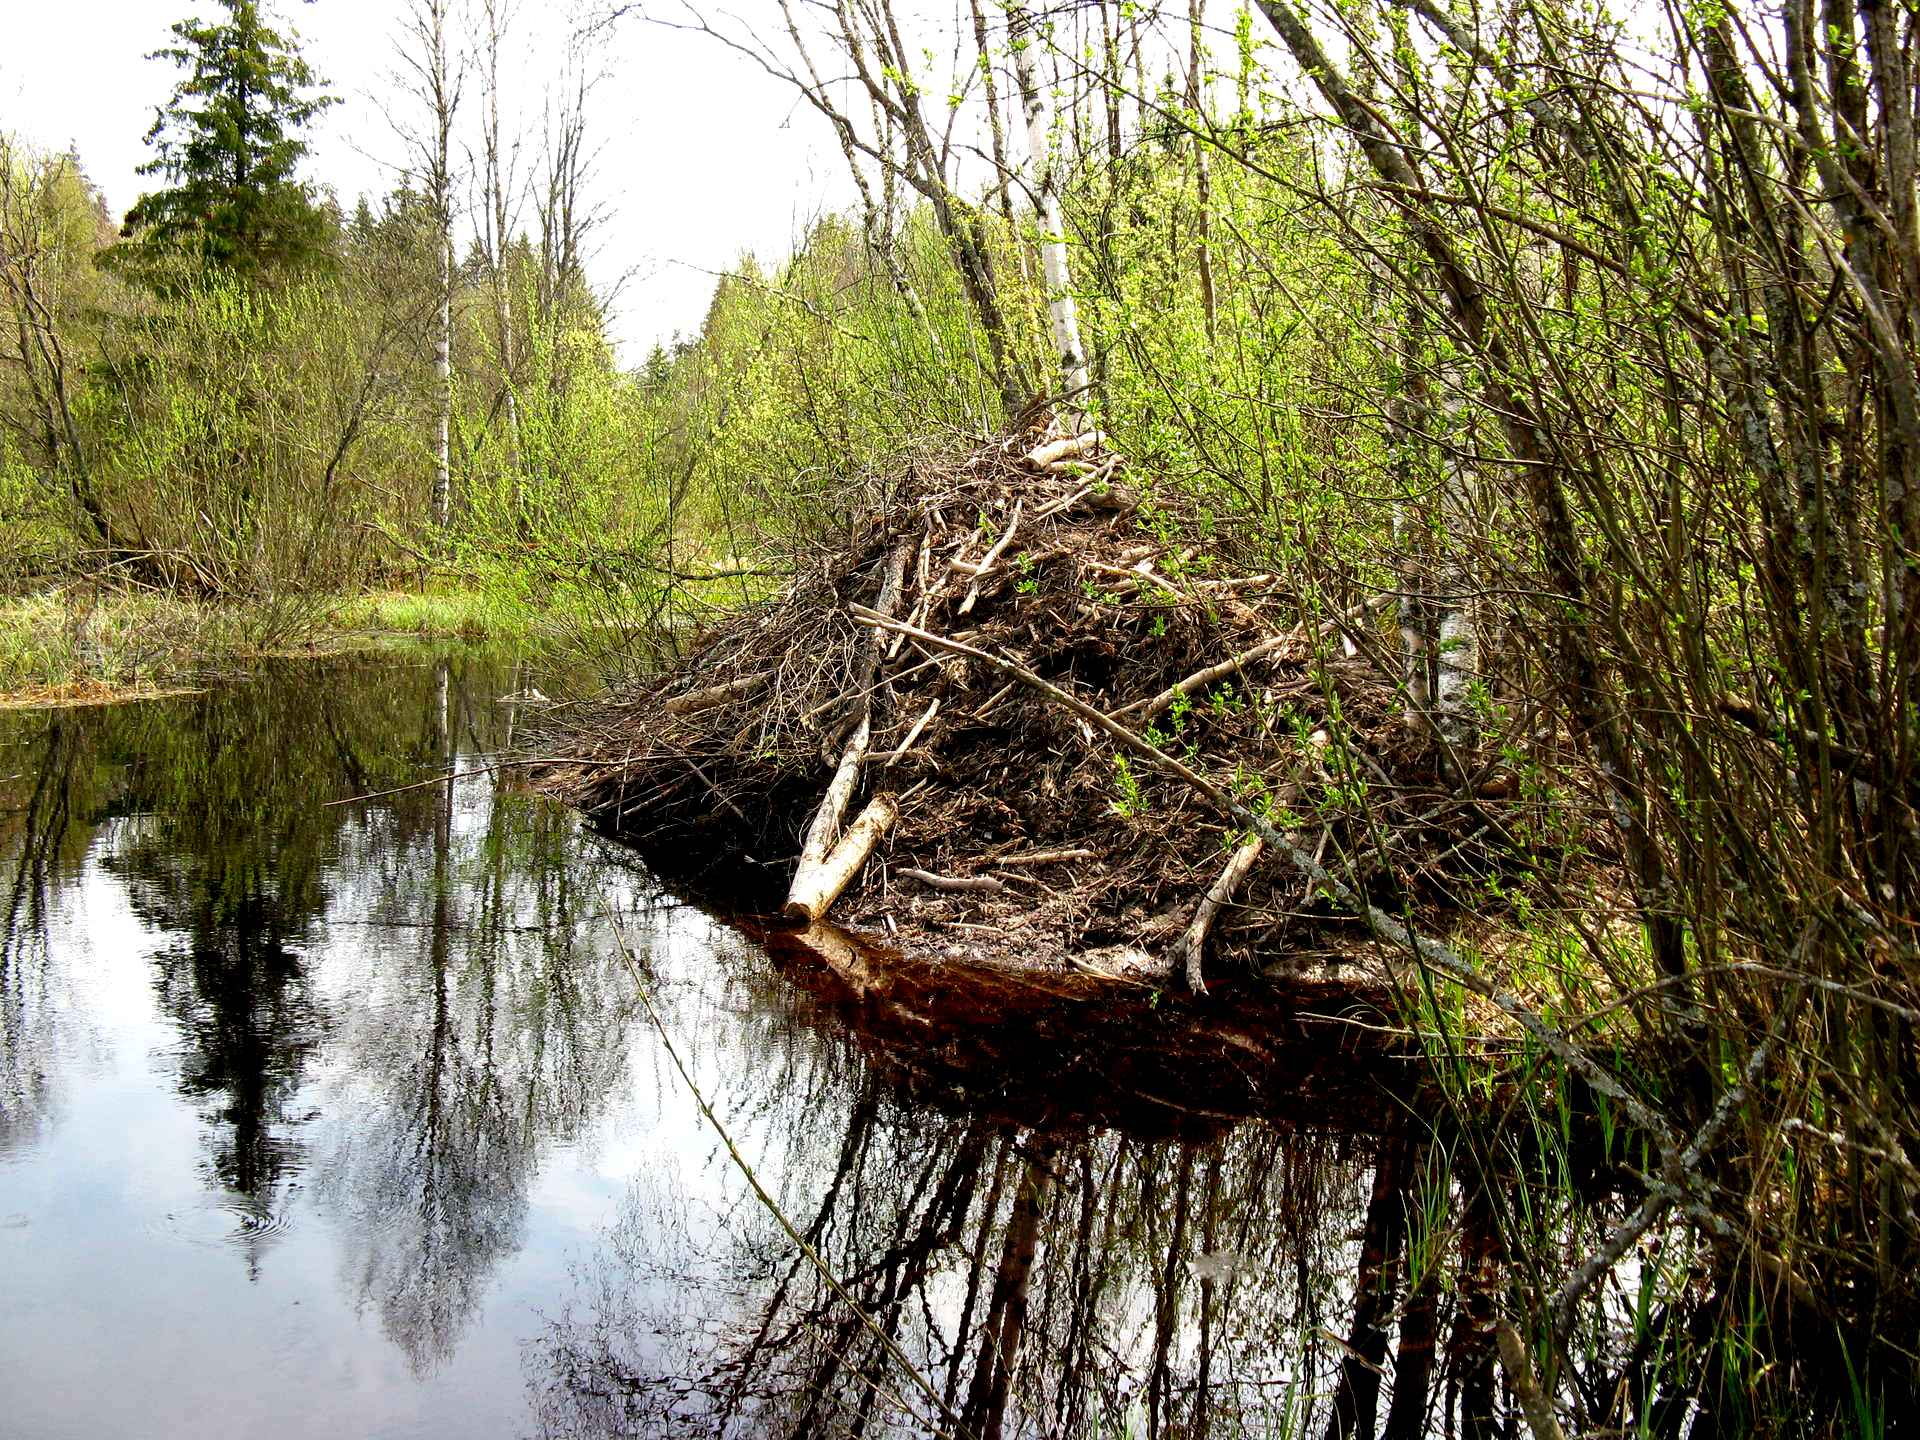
column 1249, row 1281
column 390, row 1019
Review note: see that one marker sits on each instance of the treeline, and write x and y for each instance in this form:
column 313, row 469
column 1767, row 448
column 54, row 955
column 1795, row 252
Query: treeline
column 233, row 392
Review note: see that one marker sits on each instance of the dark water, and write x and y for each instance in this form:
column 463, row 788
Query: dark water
column 346, row 1120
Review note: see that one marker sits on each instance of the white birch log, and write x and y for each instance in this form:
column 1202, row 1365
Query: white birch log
column 825, row 824
column 816, row 886
column 1071, row 448
column 1194, row 943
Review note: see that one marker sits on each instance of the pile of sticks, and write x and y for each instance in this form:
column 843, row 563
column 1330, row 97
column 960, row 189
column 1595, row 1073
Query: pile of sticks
column 939, row 725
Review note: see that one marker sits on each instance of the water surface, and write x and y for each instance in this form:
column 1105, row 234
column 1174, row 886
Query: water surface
column 346, row 1119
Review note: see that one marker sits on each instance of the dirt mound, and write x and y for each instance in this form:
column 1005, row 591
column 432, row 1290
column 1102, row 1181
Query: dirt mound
column 1024, row 833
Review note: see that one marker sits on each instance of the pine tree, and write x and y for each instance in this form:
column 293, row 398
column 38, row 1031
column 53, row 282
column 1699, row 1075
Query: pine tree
column 229, row 143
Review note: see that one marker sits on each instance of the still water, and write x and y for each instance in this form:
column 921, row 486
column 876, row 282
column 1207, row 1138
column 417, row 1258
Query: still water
column 347, row 1119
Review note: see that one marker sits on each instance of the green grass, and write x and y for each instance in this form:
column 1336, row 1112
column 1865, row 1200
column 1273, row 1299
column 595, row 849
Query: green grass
column 462, row 615
column 76, row 643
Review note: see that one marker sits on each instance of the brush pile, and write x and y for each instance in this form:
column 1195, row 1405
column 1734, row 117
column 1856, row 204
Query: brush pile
column 830, row 746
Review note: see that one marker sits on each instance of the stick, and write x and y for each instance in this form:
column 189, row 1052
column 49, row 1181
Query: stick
column 992, row 556
column 1043, row 857
column 1154, row 705
column 1194, row 942
column 985, row 883
column 1534, row 1403
column 492, row 769
column 694, row 701
column 816, row 887
column 913, row 734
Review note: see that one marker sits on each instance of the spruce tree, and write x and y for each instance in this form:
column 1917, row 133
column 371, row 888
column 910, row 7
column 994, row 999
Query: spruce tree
column 229, row 144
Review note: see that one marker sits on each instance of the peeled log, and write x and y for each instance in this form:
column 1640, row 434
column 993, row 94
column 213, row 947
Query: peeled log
column 825, row 824
column 1194, row 943
column 816, row 886
column 695, row 701
column 1073, row 447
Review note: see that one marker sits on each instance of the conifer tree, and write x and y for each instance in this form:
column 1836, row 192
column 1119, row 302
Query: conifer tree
column 229, row 144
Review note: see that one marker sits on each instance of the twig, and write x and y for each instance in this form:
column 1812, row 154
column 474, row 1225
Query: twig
column 985, row 883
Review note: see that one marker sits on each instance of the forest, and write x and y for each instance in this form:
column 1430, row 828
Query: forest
column 1442, row 481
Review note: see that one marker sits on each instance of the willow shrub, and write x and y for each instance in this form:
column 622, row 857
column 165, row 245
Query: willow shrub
column 236, row 432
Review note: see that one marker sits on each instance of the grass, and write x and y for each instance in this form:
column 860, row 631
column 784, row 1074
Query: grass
column 80, row 645
column 451, row 615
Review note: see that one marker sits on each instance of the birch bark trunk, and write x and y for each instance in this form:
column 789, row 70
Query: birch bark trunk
column 1062, row 312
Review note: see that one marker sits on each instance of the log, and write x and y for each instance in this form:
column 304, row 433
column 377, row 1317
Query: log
column 825, row 824
column 694, row 701
column 955, row 883
column 1194, row 943
column 1071, row 448
column 817, row 886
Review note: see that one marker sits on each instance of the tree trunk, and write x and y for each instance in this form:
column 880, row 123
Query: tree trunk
column 1062, row 312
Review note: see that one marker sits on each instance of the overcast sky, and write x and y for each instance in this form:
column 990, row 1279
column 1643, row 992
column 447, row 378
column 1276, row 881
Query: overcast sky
column 703, row 156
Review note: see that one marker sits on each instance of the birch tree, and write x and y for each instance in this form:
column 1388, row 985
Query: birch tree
column 1062, row 311
column 433, row 76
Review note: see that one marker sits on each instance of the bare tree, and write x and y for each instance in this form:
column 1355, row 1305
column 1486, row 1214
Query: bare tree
column 905, row 143
column 434, row 77
column 501, row 193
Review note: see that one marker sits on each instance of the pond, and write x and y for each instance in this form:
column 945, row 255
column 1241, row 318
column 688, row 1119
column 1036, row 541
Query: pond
column 323, row 1118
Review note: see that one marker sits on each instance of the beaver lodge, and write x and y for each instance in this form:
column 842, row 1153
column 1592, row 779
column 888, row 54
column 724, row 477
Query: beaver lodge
column 971, row 726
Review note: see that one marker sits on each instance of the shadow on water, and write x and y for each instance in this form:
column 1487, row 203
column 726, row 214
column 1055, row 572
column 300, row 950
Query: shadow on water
column 417, row 1096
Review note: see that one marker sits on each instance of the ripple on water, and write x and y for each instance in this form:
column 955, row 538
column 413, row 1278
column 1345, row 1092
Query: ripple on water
column 220, row 1222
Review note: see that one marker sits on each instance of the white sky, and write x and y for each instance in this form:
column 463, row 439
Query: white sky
column 703, row 156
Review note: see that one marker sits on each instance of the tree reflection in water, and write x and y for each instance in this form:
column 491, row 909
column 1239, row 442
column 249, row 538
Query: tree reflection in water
column 438, row 954
column 401, row 1006
column 47, row 762
column 1239, row 1277
column 489, row 1023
